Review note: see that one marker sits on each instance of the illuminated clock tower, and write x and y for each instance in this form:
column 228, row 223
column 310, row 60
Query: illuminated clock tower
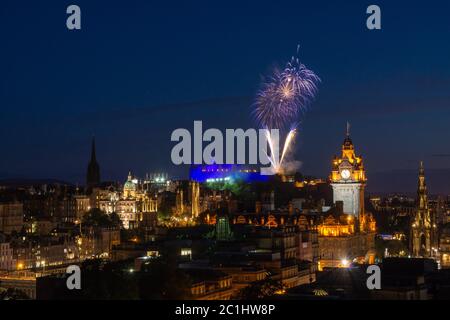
column 348, row 179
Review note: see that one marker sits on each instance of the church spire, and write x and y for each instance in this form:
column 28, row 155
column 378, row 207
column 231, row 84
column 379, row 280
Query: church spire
column 422, row 189
column 93, row 171
column 93, row 156
column 422, row 233
column 421, row 170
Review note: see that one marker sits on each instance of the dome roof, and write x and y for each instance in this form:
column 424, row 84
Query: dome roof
column 129, row 184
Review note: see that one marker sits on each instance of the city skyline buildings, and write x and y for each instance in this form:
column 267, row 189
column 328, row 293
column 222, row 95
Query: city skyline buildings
column 202, row 151
column 92, row 175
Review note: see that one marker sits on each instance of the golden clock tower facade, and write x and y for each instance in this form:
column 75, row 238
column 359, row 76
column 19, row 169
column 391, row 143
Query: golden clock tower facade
column 347, row 231
column 348, row 179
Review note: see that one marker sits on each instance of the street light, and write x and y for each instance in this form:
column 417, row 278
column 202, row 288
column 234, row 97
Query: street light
column 345, row 263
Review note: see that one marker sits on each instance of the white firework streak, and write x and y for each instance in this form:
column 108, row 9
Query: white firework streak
column 277, row 164
column 287, row 143
column 273, row 160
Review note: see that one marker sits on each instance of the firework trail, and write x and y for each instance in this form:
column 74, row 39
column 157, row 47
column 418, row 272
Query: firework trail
column 282, row 98
column 287, row 143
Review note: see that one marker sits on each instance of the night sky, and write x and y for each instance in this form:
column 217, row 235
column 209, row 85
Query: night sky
column 137, row 70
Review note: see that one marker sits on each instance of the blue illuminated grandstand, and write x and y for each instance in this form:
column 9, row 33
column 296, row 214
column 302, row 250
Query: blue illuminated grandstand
column 225, row 173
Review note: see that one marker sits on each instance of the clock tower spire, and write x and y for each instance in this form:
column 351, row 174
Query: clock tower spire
column 347, row 231
column 348, row 178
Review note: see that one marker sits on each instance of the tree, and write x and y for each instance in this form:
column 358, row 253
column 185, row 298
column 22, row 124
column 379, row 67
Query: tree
column 164, row 211
column 97, row 218
column 12, row 294
column 161, row 279
column 261, row 289
column 115, row 219
column 106, row 281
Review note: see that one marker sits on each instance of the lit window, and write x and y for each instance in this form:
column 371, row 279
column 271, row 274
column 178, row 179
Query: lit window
column 186, row 251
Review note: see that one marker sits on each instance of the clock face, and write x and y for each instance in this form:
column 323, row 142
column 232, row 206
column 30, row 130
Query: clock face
column 345, row 174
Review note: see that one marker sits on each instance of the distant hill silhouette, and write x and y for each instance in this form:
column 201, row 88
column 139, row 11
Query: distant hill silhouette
column 22, row 182
column 405, row 181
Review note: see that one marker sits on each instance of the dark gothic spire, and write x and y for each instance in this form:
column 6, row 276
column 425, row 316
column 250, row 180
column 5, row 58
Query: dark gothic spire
column 422, row 188
column 93, row 171
column 422, row 231
column 421, row 169
column 93, row 156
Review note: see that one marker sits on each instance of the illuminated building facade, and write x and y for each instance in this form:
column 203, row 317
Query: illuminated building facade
column 444, row 246
column 423, row 227
column 49, row 253
column 11, row 217
column 188, row 199
column 131, row 203
column 82, row 206
column 195, row 198
column 157, row 182
column 342, row 226
column 347, row 231
column 7, row 261
column 348, row 179
column 223, row 231
column 225, row 173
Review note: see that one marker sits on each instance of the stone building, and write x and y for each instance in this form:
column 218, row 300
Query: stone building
column 11, row 217
column 347, row 231
column 423, row 229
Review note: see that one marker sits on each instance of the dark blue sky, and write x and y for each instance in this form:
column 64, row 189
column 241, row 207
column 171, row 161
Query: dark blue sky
column 140, row 69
